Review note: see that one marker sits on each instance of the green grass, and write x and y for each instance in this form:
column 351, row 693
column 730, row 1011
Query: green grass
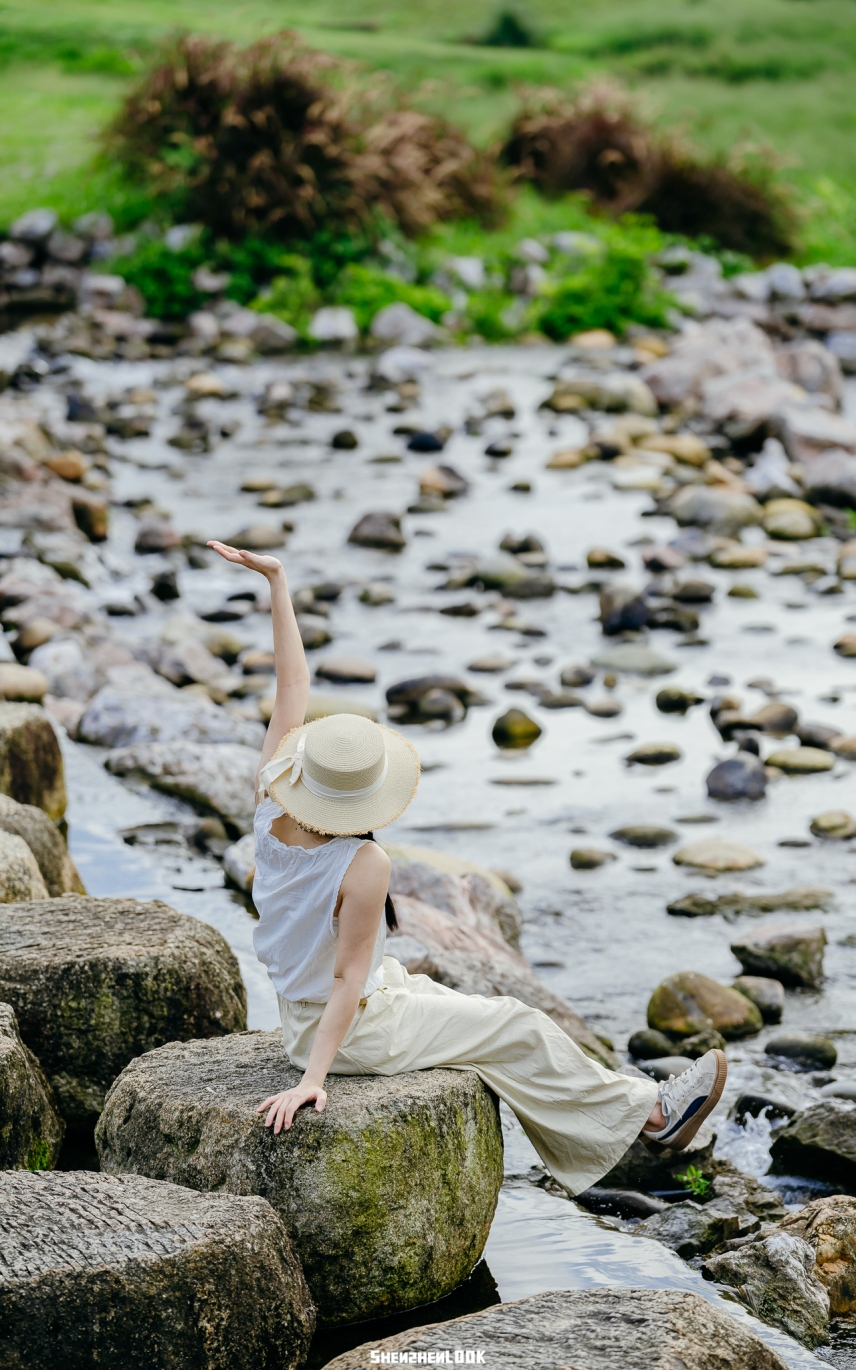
column 779, row 73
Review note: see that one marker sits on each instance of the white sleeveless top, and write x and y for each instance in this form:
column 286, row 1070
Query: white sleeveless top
column 295, row 890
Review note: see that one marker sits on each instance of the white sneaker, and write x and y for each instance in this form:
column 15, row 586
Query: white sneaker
column 686, row 1100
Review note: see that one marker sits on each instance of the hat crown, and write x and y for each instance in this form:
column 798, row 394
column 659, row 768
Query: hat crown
column 344, row 752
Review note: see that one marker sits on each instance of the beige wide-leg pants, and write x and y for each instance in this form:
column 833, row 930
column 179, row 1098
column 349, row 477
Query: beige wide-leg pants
column 580, row 1117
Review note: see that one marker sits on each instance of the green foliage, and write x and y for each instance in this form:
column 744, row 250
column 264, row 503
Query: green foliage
column 609, row 293
column 366, row 289
column 164, row 278
column 491, row 315
column 293, row 294
column 38, row 1155
column 508, row 30
column 695, row 1181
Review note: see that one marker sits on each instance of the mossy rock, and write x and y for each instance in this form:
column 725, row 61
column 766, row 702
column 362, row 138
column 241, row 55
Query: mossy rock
column 46, row 843
column 96, row 982
column 124, row 1273
column 30, row 1128
column 387, row 1195
column 686, row 1003
column 31, row 769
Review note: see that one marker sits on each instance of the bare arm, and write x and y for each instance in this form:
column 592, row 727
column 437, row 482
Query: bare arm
column 364, row 891
column 292, row 673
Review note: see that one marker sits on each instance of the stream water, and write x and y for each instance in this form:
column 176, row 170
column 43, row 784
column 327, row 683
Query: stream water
column 600, row 938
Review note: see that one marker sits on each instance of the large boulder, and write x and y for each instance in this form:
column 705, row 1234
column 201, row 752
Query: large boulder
column 776, row 1279
column 31, row 1130
column 457, row 886
column 20, row 877
column 127, row 717
column 126, row 1272
column 693, row 1229
column 31, row 768
column 46, row 843
column 685, row 1003
column 95, row 982
column 793, row 955
column 214, row 778
column 587, row 1329
column 829, row 1227
column 387, row 1195
column 819, row 1141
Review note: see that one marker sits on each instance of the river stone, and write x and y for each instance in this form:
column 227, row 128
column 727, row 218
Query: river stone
column 585, row 1329
column 740, row 777
column 346, row 670
column 797, row 900
column 685, row 1003
column 714, row 508
column 653, row 754
column 590, row 858
column 829, row 1227
column 745, row 1191
column 31, row 768
column 214, row 778
column 661, row 1067
column 127, row 716
column 381, row 530
column 387, row 1195
column 31, row 1130
column 629, row 658
column 819, row 1141
column 791, row 954
column 801, row 760
column 515, row 729
column 844, row 746
column 259, row 537
column 776, row 1280
column 644, row 835
column 808, row 1049
column 20, row 877
column 714, row 854
column 775, row 717
column 323, row 705
column 693, row 1229
column 121, row 1271
column 699, row 1043
column 791, row 520
column 834, row 823
column 95, row 982
column 673, row 700
column 649, row 1045
column 22, row 683
column 459, row 887
column 641, row 1168
column 767, row 995
column 46, row 844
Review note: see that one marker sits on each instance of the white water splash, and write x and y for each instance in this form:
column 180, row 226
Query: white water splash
column 747, row 1147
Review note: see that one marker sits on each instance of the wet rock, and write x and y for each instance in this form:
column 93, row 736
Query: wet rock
column 344, row 441
column 714, row 854
column 699, row 1043
column 346, row 671
column 23, row 684
column 631, row 659
column 830, row 478
column 43, row 838
column 641, row 1168
column 743, row 406
column 793, row 955
column 622, row 610
column 91, row 514
column 141, row 1272
column 649, row 1045
column 619, row 1203
column 31, row 769
column 314, row 631
column 613, row 391
column 673, row 700
column 644, row 835
column 752, row 1105
column 431, row 696
column 775, row 1278
column 661, row 1067
column 791, row 520
column 239, row 863
column 608, row 1329
column 766, row 994
column 285, row 497
column 217, row 778
column 835, row 824
column 601, row 559
column 808, row 1049
column 829, row 1227
column 603, row 708
column 819, row 1141
column 801, row 760
column 355, row 1186
column 380, row 530
column 741, row 777
column 693, row 1229
column 775, row 717
column 444, row 481
column 155, row 535
column 727, row 1182
column 562, row 699
column 799, row 900
column 845, row 747
column 31, row 1130
column 376, row 594
column 400, row 324
column 846, row 645
column 807, row 432
column 686, row 1003
column 474, row 896
column 515, row 728
column 577, row 677
column 736, row 557
column 590, row 858
column 333, row 324
column 714, row 508
column 817, row 735
column 142, row 713
column 258, row 537
column 654, row 754
column 95, row 982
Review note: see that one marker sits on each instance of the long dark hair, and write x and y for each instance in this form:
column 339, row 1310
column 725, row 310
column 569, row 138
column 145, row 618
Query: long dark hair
column 389, row 907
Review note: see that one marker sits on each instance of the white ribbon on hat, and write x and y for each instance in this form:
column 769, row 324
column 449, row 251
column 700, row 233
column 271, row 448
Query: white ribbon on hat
column 278, row 767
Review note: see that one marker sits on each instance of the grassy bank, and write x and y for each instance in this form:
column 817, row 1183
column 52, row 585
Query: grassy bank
column 780, row 75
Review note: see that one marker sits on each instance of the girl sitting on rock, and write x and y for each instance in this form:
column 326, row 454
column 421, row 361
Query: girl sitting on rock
column 321, row 889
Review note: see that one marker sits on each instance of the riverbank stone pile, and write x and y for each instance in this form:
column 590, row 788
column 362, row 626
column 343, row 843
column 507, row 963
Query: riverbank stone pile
column 589, row 1329
column 387, row 1195
column 31, row 1130
column 96, row 982
column 128, row 1273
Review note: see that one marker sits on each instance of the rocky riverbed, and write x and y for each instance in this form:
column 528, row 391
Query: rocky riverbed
column 665, row 600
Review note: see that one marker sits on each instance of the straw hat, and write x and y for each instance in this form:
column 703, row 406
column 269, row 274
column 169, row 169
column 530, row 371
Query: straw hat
column 342, row 775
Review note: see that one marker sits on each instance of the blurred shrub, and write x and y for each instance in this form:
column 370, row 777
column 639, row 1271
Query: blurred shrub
column 366, row 289
column 508, row 30
column 599, row 145
column 164, row 275
column 293, row 294
column 272, row 140
column 611, row 292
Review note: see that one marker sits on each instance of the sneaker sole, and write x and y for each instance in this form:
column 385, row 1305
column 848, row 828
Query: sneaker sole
column 686, row 1134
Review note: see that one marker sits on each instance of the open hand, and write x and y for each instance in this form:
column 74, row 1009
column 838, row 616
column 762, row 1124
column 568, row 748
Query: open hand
column 266, row 566
column 282, row 1107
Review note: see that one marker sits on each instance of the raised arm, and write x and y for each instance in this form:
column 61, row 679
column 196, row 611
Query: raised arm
column 292, row 673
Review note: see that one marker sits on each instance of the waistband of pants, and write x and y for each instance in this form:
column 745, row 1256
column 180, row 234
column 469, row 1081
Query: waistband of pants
column 312, row 1003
